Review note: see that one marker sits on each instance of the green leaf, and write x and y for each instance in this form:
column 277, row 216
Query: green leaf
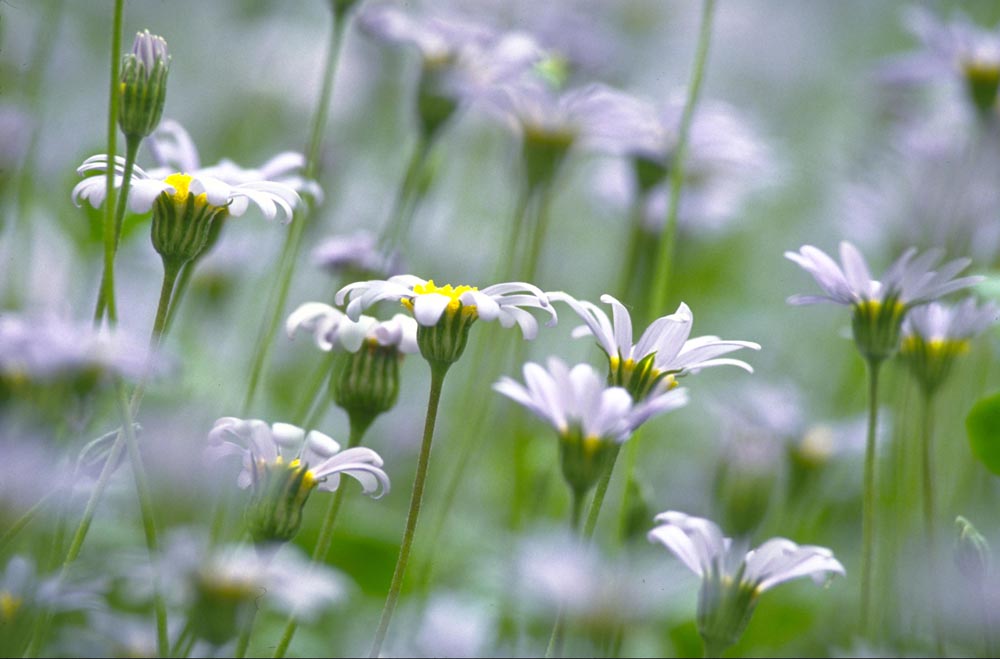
column 983, row 426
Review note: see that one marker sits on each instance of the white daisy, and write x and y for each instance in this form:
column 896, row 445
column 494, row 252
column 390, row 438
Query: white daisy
column 663, row 353
column 731, row 580
column 261, row 445
column 333, row 330
column 430, row 302
column 935, row 334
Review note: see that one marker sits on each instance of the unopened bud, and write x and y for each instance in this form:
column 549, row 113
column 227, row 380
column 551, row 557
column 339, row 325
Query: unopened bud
column 143, row 85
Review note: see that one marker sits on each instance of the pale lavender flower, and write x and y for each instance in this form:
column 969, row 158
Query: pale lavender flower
column 358, row 251
column 935, row 334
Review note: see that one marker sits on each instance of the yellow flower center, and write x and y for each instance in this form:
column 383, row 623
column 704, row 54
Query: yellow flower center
column 9, row 605
column 934, row 347
column 181, row 183
column 449, row 291
column 873, row 308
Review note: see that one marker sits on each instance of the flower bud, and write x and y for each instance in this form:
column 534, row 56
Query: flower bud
column 972, row 552
column 585, row 459
column 877, row 325
column 143, row 85
column 368, row 383
column 182, row 222
column 222, row 606
column 279, row 493
column 543, row 152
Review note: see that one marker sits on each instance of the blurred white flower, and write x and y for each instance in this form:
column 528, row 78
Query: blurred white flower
column 356, row 251
column 429, row 302
column 333, row 330
column 454, row 626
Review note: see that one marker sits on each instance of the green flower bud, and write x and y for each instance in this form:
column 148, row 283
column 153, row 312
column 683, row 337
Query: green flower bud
column 368, row 383
column 222, row 606
column 543, row 152
column 972, row 553
column 435, row 105
column 982, row 81
column 143, row 85
column 182, row 222
column 279, row 493
column 585, row 459
column 877, row 326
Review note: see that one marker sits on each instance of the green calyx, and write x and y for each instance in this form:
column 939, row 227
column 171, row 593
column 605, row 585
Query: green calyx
column 725, row 606
column 877, row 325
column 279, row 492
column 585, row 459
column 368, row 383
column 143, row 93
column 182, row 225
column 931, row 361
column 444, row 343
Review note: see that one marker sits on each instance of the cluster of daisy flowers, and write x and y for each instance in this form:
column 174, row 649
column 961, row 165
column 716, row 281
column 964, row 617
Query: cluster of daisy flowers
column 204, row 594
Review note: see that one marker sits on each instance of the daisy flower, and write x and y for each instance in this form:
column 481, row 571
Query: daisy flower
column 934, row 334
column 732, row 581
column 878, row 307
column 356, row 252
column 590, row 417
column 282, row 464
column 445, row 313
column 333, row 330
column 663, row 353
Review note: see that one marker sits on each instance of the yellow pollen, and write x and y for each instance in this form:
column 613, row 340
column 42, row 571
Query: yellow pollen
column 9, row 605
column 181, row 183
column 453, row 292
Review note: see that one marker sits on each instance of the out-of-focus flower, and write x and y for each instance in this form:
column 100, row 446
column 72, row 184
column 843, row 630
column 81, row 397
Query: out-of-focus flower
column 283, row 465
column 221, row 586
column 15, row 131
column 732, row 581
column 446, row 313
column 878, row 307
column 46, row 349
column 958, row 51
column 352, row 253
column 663, row 353
column 143, row 85
column 333, row 330
column 591, row 418
column 454, row 626
column 935, row 334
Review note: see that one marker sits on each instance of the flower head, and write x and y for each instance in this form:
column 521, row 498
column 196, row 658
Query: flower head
column 663, row 353
column 733, row 581
column 356, row 252
column 367, row 384
column 143, row 85
column 933, row 335
column 878, row 307
column 445, row 313
column 282, row 465
column 590, row 417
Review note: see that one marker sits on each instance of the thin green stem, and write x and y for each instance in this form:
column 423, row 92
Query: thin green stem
column 407, row 198
column 180, row 288
column 558, row 637
column 170, row 271
column 927, row 472
column 24, row 520
column 132, row 143
column 509, row 258
column 636, row 235
column 293, row 239
column 438, row 372
column 314, row 390
column 324, row 540
column 148, row 521
column 631, row 457
column 599, row 494
column 187, row 632
column 868, row 503
column 537, row 237
column 108, row 279
column 243, row 642
column 659, row 294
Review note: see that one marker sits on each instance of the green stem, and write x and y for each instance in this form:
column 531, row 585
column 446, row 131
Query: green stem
column 659, row 294
column 602, row 490
column 514, row 237
column 325, row 539
column 314, row 390
column 170, row 271
column 148, row 522
column 293, row 239
column 558, row 636
column 438, row 371
column 183, row 282
column 868, row 503
column 132, row 143
column 182, row 640
column 631, row 457
column 108, row 279
column 407, row 198
column 24, row 520
column 633, row 250
column 927, row 471
column 713, row 649
column 244, row 640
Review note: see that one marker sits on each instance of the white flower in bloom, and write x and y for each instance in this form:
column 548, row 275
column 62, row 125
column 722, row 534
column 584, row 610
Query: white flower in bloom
column 663, row 352
column 578, row 400
column 907, row 283
column 333, row 330
column 941, row 323
column 428, row 302
column 436, row 38
column 261, row 445
column 700, row 545
column 731, row 580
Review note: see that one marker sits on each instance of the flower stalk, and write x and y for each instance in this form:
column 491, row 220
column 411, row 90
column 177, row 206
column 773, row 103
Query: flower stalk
column 868, row 502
